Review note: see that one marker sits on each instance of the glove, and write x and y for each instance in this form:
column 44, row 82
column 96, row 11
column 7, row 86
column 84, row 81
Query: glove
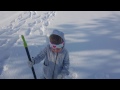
column 30, row 63
column 61, row 76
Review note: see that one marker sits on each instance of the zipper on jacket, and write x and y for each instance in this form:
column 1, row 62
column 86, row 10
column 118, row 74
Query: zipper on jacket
column 54, row 66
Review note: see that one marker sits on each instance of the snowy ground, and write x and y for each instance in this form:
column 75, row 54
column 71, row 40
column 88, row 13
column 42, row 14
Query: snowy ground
column 92, row 39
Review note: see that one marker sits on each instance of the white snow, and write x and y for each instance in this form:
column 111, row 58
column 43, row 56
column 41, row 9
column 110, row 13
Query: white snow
column 92, row 39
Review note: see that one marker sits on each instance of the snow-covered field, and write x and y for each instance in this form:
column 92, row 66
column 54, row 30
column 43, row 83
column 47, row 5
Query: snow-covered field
column 92, row 39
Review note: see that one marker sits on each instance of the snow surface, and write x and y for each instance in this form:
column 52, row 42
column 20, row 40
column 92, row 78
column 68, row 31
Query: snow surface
column 92, row 39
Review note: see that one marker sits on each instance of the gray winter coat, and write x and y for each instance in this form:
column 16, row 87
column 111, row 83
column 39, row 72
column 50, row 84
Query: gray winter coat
column 54, row 63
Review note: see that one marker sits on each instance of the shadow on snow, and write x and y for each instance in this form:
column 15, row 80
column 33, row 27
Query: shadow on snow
column 94, row 51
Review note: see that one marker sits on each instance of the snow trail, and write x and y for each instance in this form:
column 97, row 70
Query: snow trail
column 33, row 26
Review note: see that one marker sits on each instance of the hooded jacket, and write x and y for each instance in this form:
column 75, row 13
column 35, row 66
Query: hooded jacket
column 54, row 63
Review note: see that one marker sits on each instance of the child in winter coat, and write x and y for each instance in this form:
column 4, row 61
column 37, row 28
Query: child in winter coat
column 55, row 56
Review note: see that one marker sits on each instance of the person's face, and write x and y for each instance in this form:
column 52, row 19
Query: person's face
column 56, row 50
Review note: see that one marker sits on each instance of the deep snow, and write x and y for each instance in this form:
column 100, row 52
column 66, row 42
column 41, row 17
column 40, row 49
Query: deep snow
column 92, row 39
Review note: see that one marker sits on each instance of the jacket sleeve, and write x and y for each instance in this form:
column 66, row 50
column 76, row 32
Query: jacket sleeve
column 66, row 63
column 40, row 56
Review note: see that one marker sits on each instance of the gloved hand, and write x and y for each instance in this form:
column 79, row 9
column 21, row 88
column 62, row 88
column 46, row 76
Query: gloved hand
column 61, row 76
column 30, row 63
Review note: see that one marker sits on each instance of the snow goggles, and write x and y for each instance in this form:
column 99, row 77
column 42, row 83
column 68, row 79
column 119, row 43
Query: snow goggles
column 54, row 46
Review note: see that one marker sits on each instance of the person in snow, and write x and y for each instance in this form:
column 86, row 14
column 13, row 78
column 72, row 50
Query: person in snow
column 55, row 56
